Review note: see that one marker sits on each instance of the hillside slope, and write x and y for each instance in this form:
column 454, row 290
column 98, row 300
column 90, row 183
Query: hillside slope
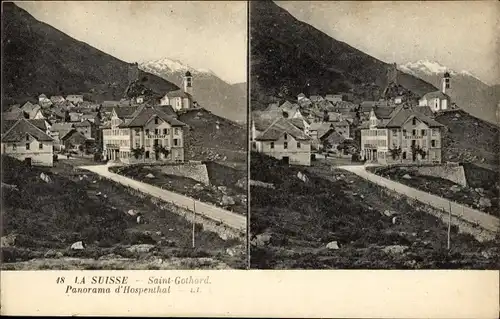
column 38, row 58
column 290, row 56
column 209, row 90
column 211, row 137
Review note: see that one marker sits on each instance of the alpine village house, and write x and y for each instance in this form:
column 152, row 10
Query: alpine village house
column 149, row 133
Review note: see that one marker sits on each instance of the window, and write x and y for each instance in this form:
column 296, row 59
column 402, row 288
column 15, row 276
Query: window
column 433, row 143
column 413, row 142
column 27, row 146
column 40, row 146
column 423, row 132
column 298, row 144
column 404, row 132
column 413, row 132
column 156, row 120
column 14, row 147
column 137, row 132
column 404, row 155
column 27, row 137
column 176, row 142
column 394, row 132
column 147, row 131
column 165, row 131
column 147, row 154
column 434, row 132
column 156, row 131
column 414, row 121
column 285, row 136
column 155, row 141
column 285, row 145
column 176, row 131
column 272, row 144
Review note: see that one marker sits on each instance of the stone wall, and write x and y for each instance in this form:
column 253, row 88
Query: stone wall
column 193, row 170
column 451, row 172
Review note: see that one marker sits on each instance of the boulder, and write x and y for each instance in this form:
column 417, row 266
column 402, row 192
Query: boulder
column 132, row 212
column 334, row 245
column 158, row 233
column 222, row 189
column 479, row 190
column 484, row 202
column 227, row 200
column 394, row 220
column 238, row 250
column 150, row 175
column 141, row 248
column 79, row 245
column 406, row 176
column 389, row 213
column 303, row 177
column 395, row 249
column 9, row 240
column 261, row 240
column 46, row 178
column 455, row 188
column 242, row 183
column 198, row 187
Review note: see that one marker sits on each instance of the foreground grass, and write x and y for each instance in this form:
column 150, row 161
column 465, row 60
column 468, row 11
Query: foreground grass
column 334, row 205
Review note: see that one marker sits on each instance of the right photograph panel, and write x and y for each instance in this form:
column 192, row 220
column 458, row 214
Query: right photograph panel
column 373, row 135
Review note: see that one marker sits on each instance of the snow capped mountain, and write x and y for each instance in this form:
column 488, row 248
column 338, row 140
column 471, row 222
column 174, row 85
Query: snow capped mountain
column 166, row 65
column 211, row 92
column 431, row 68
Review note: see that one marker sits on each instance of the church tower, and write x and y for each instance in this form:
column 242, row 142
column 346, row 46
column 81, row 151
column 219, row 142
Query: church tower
column 187, row 82
column 445, row 82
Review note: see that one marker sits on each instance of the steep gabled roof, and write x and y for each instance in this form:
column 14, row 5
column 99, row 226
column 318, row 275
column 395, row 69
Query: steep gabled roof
column 82, row 123
column 18, row 132
column 14, row 115
column 278, row 128
column 56, row 127
column 40, row 123
column 125, row 111
column 144, row 113
column 299, row 123
column 383, row 112
column 321, row 127
column 333, row 136
column 406, row 113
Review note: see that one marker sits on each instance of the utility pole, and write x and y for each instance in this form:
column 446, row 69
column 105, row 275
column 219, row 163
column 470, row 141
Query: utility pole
column 449, row 227
column 194, row 223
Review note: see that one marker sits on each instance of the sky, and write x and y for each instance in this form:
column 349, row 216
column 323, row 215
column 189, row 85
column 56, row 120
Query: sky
column 204, row 35
column 461, row 35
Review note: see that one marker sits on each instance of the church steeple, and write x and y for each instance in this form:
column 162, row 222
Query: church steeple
column 187, row 82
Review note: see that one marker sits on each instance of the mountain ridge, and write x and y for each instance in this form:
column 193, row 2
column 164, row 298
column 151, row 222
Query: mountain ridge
column 38, row 58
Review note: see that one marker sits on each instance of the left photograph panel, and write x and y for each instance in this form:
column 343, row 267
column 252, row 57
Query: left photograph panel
column 124, row 135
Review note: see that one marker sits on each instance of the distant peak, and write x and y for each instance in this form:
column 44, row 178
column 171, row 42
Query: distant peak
column 431, row 68
column 172, row 65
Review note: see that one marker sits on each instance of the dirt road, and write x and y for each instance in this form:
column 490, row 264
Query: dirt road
column 473, row 216
column 230, row 219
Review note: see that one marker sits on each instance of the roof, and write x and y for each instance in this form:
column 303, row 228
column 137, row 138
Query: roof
column 13, row 115
column 144, row 113
column 82, row 123
column 333, row 136
column 261, row 124
column 178, row 93
column 28, row 107
column 406, row 113
column 279, row 127
column 74, row 95
column 340, row 123
column 436, row 94
column 22, row 127
column 40, row 123
column 61, row 127
column 75, row 134
column 42, row 96
column 383, row 112
column 316, row 98
column 299, row 123
column 125, row 111
column 321, row 127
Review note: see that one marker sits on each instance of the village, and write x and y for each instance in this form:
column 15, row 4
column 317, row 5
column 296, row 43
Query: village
column 398, row 129
column 140, row 146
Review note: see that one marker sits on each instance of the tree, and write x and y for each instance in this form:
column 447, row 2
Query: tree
column 161, row 149
column 417, row 150
column 395, row 152
column 138, row 152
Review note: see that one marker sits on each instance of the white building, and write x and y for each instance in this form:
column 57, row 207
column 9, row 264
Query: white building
column 26, row 142
column 180, row 99
column 438, row 100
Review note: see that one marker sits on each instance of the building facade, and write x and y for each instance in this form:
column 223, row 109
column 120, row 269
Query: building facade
column 26, row 142
column 149, row 134
column 408, row 137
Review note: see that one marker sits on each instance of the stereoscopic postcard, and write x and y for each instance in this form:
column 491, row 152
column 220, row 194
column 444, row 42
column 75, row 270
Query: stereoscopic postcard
column 250, row 158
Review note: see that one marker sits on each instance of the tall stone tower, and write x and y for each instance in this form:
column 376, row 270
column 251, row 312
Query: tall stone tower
column 445, row 82
column 187, row 82
column 392, row 74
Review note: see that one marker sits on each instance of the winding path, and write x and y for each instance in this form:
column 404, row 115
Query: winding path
column 463, row 212
column 230, row 219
